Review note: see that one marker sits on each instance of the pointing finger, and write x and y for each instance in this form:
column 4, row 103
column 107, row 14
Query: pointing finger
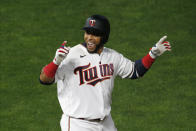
column 162, row 39
column 64, row 43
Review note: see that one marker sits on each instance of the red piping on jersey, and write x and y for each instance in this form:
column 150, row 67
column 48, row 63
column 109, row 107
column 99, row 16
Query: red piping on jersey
column 50, row 70
column 147, row 61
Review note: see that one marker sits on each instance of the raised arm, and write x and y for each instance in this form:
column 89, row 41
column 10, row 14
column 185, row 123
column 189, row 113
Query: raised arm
column 141, row 66
column 48, row 72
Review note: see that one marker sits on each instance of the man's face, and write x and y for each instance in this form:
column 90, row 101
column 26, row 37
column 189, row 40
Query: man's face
column 92, row 41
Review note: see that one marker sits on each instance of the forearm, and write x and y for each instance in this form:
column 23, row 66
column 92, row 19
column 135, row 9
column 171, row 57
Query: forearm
column 48, row 73
column 142, row 66
column 44, row 79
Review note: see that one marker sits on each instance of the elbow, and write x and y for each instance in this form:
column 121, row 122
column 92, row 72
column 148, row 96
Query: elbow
column 45, row 83
column 44, row 80
column 139, row 70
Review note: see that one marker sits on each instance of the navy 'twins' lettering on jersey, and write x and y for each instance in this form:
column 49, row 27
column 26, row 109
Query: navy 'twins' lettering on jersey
column 90, row 76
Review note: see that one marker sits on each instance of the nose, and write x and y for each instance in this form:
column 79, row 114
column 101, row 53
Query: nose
column 90, row 36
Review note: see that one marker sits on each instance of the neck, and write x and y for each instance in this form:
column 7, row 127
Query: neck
column 100, row 50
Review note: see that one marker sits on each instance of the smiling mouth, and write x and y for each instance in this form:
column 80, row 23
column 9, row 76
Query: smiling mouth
column 90, row 44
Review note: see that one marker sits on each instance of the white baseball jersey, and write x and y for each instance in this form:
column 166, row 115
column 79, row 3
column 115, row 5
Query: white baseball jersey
column 85, row 81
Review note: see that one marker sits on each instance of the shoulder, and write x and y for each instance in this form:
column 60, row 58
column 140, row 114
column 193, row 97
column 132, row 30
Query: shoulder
column 110, row 51
column 78, row 47
column 77, row 50
column 115, row 55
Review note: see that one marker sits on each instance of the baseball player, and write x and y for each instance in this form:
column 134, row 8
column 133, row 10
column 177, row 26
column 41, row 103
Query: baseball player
column 85, row 76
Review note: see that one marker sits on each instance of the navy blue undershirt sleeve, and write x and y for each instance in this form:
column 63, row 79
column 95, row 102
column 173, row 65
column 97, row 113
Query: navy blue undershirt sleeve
column 139, row 70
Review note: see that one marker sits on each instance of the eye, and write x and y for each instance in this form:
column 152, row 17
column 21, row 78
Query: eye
column 97, row 33
column 88, row 32
column 94, row 32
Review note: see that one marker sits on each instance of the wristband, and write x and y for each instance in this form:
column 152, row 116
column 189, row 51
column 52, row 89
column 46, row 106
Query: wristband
column 147, row 61
column 50, row 70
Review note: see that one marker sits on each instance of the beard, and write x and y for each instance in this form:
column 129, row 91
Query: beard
column 96, row 48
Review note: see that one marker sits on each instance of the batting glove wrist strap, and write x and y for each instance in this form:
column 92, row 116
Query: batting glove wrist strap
column 160, row 47
column 152, row 55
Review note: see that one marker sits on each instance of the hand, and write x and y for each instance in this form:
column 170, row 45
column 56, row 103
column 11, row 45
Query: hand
column 61, row 53
column 160, row 47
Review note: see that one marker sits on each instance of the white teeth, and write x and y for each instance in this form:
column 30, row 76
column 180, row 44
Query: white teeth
column 90, row 43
